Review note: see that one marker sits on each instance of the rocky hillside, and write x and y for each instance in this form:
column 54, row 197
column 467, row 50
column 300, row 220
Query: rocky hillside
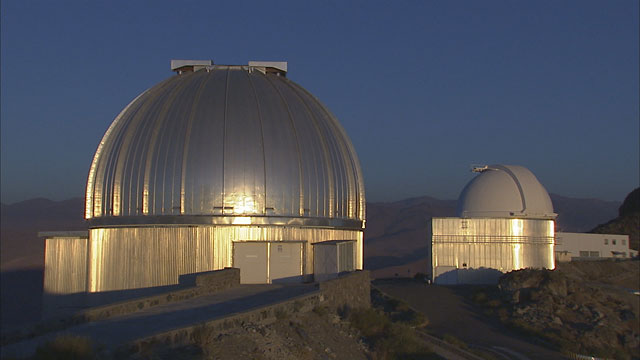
column 627, row 222
column 580, row 215
column 579, row 308
column 287, row 338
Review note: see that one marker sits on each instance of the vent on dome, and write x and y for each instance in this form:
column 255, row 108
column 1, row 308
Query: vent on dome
column 182, row 66
column 272, row 67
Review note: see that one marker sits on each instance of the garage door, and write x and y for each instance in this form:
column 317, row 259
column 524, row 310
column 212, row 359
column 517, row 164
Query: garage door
column 251, row 259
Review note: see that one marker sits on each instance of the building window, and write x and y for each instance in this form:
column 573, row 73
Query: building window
column 584, row 254
column 594, row 253
column 606, row 241
column 624, row 241
column 613, row 241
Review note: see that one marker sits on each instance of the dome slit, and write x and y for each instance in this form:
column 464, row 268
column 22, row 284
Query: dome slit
column 187, row 139
column 154, row 152
column 264, row 161
column 297, row 140
column 328, row 168
column 224, row 137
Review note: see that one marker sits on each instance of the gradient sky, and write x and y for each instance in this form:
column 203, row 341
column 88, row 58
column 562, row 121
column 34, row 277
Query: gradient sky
column 423, row 88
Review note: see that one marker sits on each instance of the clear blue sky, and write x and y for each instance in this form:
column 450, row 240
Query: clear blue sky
column 423, row 88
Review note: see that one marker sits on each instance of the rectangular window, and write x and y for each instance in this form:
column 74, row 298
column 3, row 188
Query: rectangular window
column 606, row 241
column 594, row 253
column 613, row 241
column 584, row 254
column 624, row 241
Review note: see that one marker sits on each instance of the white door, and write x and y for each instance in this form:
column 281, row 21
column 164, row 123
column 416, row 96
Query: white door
column 251, row 259
column 285, row 262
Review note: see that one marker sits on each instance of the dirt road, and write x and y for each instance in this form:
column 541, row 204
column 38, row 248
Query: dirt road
column 449, row 313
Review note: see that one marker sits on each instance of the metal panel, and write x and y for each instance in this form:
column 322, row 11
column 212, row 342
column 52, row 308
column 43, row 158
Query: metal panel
column 332, row 258
column 65, row 265
column 325, row 263
column 251, row 258
column 346, row 256
column 226, row 141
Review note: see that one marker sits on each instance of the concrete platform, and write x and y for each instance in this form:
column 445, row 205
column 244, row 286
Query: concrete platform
column 120, row 330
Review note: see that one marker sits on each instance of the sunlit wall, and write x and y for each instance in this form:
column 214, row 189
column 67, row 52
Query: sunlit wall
column 65, row 265
column 502, row 244
column 137, row 257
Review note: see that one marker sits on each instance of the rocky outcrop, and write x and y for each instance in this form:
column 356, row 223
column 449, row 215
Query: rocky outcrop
column 627, row 222
column 577, row 315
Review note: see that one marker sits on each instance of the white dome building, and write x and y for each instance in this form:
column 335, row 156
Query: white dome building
column 218, row 166
column 505, row 222
column 505, row 191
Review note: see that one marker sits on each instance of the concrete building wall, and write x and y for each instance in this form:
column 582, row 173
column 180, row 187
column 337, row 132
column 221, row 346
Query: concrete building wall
column 479, row 250
column 592, row 246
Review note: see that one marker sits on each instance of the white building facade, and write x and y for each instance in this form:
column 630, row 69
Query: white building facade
column 581, row 246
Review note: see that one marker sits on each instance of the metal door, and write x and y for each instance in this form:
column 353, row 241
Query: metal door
column 251, row 259
column 285, row 262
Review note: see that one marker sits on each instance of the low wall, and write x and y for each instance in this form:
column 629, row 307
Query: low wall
column 205, row 283
column 352, row 289
column 199, row 284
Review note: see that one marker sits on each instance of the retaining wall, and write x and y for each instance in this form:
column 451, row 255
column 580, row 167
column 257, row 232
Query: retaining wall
column 200, row 284
column 352, row 289
column 206, row 283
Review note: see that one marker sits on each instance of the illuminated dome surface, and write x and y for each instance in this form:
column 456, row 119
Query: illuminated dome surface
column 227, row 141
column 505, row 191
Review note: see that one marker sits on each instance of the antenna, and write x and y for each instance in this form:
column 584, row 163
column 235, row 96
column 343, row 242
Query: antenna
column 479, row 168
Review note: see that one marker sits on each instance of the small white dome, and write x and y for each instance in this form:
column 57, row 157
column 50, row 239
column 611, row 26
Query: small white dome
column 505, row 191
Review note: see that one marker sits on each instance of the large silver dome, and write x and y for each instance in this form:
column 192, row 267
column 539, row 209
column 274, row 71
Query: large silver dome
column 226, row 141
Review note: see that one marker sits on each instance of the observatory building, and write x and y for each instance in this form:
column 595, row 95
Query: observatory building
column 505, row 222
column 217, row 166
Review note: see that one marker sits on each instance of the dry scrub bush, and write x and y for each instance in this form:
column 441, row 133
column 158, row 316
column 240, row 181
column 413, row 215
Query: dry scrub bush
column 66, row 347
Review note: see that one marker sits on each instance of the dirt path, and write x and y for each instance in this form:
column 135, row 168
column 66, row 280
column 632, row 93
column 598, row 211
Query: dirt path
column 448, row 313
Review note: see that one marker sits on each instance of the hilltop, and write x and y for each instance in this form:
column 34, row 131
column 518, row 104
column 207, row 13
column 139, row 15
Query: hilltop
column 627, row 222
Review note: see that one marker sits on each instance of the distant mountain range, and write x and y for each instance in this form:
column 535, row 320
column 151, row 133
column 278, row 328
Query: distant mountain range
column 395, row 234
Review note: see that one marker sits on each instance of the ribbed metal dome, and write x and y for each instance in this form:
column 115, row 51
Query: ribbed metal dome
column 223, row 142
column 505, row 191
